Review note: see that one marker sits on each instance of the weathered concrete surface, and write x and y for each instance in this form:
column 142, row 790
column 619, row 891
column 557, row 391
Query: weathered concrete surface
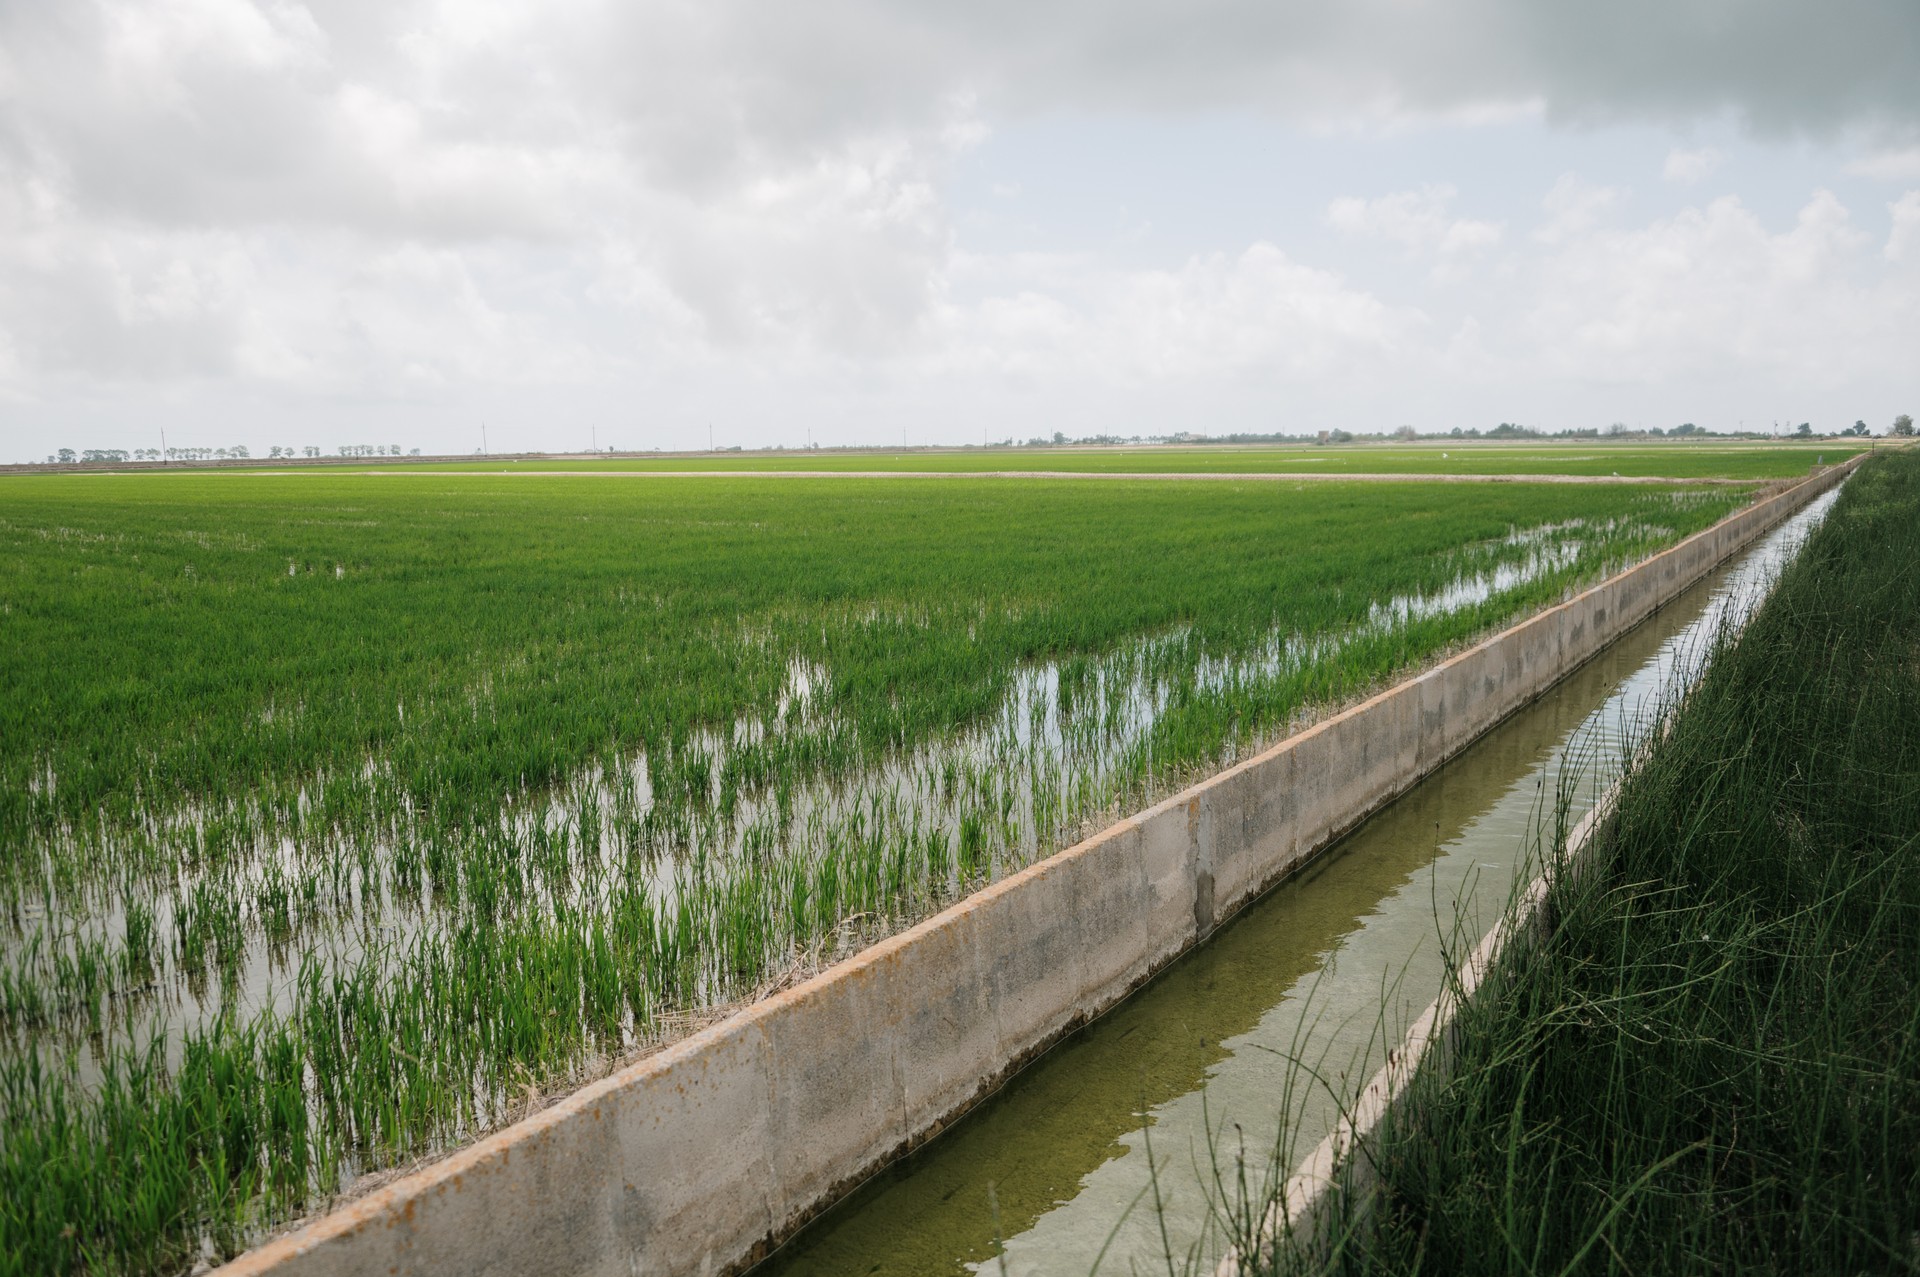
column 695, row 1160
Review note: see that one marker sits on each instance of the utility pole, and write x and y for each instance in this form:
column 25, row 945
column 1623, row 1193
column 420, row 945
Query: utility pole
column 596, row 436
column 710, row 447
column 483, row 440
column 163, row 445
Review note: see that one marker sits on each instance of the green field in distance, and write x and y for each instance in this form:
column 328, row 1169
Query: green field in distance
column 1676, row 459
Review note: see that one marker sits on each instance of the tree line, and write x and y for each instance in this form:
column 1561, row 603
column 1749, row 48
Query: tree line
column 238, row 452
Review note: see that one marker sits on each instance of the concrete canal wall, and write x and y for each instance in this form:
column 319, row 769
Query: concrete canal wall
column 696, row 1160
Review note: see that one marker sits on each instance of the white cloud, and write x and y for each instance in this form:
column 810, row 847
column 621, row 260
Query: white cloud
column 1257, row 315
column 1688, row 167
column 1712, row 293
column 1419, row 221
column 1903, row 241
column 1575, row 208
column 1709, row 297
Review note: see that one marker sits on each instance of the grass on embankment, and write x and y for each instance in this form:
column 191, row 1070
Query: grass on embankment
column 1713, row 1064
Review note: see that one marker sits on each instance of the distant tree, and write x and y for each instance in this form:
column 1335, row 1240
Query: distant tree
column 1687, row 428
column 1657, row 432
column 1903, row 425
column 67, row 457
column 414, row 453
column 1617, row 428
column 1804, row 430
column 1406, row 432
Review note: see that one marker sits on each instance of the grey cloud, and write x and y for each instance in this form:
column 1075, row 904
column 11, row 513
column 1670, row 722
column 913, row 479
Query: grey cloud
column 797, row 73
column 766, row 174
column 699, row 96
column 1781, row 65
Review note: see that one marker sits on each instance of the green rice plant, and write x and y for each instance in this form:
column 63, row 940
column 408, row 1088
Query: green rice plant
column 137, row 953
column 541, row 767
column 150, row 1162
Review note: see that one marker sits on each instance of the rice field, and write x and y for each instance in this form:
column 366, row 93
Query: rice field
column 1677, row 458
column 344, row 816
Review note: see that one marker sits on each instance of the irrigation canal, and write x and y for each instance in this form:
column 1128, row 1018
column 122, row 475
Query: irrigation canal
column 1200, row 1072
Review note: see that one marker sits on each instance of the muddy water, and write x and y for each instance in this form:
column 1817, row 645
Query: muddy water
column 1118, row 1146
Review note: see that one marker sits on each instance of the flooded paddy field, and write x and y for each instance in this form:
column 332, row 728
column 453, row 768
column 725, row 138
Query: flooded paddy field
column 345, row 818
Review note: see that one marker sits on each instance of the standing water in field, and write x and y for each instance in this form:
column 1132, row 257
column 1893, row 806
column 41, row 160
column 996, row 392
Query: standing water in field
column 1123, row 1143
column 763, row 845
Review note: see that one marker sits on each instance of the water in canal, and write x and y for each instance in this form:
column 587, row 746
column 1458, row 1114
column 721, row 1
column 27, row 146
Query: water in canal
column 1201, row 1067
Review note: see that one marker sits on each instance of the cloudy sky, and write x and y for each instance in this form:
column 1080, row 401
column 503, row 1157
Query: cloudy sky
column 876, row 221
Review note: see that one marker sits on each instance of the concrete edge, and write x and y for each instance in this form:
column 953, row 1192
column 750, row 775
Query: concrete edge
column 770, row 1044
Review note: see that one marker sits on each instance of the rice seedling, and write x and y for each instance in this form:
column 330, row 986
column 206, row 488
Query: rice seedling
column 313, row 871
